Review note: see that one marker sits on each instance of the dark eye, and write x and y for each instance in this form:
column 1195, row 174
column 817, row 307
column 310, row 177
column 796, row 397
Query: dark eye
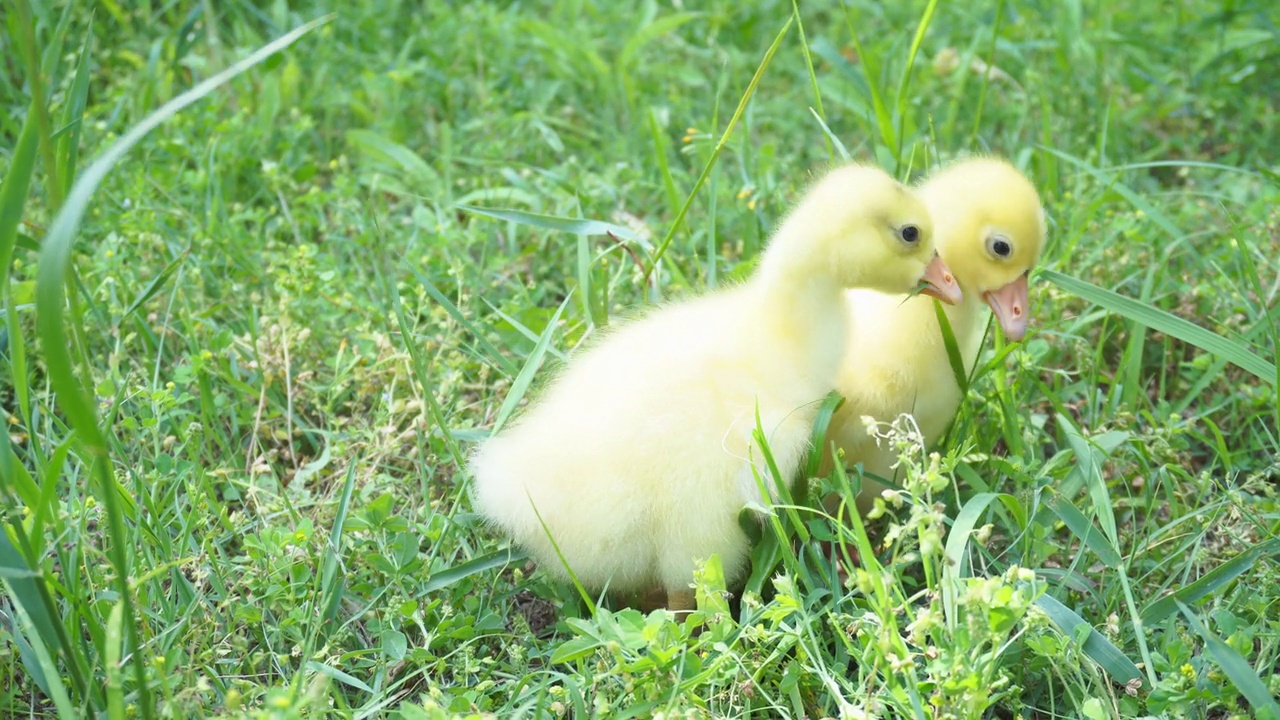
column 910, row 234
column 999, row 247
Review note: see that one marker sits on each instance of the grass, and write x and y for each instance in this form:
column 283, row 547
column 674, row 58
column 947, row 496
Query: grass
column 251, row 329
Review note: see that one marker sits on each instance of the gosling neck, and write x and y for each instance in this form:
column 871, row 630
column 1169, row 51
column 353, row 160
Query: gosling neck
column 801, row 313
column 800, row 284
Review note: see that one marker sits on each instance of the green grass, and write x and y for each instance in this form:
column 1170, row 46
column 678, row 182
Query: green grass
column 245, row 351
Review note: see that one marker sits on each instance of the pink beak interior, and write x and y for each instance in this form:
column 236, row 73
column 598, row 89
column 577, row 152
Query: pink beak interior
column 940, row 283
column 1009, row 303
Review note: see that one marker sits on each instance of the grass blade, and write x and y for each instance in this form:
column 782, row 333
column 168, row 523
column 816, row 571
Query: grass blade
column 813, row 77
column 1241, row 673
column 986, row 73
column 1234, row 352
column 336, row 674
column 424, row 378
column 21, row 583
column 331, row 574
column 1211, row 582
column 905, row 81
column 111, row 664
column 830, row 404
column 395, row 155
column 496, row 358
column 660, row 150
column 1133, row 198
column 55, row 262
column 1096, row 646
column 966, row 521
column 640, row 38
column 55, row 255
column 13, row 195
column 650, row 32
column 888, row 132
column 590, row 309
column 521, row 328
column 573, row 226
column 52, row 680
column 520, row 385
column 156, row 283
column 24, row 27
column 953, row 349
column 45, row 508
column 832, row 140
column 715, row 154
column 73, row 114
column 14, row 478
column 1083, row 528
column 474, row 566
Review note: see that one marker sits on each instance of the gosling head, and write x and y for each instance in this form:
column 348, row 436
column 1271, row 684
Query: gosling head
column 991, row 229
column 865, row 229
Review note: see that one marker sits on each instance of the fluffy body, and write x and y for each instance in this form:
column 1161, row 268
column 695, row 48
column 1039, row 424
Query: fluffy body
column 973, row 203
column 639, row 457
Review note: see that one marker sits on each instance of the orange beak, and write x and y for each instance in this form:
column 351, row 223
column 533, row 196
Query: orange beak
column 940, row 283
column 1009, row 303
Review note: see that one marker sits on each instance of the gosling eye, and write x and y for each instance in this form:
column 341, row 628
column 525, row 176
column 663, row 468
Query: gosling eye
column 999, row 246
column 910, row 234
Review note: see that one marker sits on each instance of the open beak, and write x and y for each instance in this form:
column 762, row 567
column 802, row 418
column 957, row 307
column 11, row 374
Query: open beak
column 940, row 283
column 1009, row 303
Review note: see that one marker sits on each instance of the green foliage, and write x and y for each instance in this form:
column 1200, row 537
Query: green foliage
column 246, row 346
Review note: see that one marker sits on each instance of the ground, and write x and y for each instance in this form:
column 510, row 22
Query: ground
column 292, row 319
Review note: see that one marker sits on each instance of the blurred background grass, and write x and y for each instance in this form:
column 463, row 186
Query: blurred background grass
column 291, row 516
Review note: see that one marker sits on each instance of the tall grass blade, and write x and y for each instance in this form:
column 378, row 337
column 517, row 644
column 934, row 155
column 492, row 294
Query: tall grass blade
column 954, row 358
column 818, row 439
column 644, row 36
column 393, row 154
column 715, row 154
column 55, row 262
column 1137, row 201
column 986, row 73
column 884, row 120
column 111, row 663
column 24, row 26
column 45, row 508
column 651, row 32
column 13, row 194
column 660, row 150
column 21, row 586
column 52, row 685
column 520, row 385
column 712, row 278
column 1234, row 352
column 522, row 328
column 331, row 573
column 781, row 484
column 15, row 481
column 904, row 83
column 813, row 76
column 336, row 674
column 832, row 140
column 73, row 113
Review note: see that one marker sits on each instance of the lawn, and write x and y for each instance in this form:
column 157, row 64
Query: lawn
column 260, row 302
